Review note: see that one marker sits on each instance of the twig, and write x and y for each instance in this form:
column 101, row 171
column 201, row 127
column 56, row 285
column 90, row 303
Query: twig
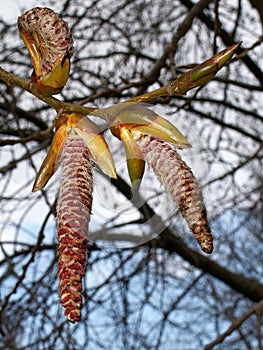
column 13, row 80
column 171, row 48
column 21, row 277
column 236, row 324
column 245, row 51
column 37, row 136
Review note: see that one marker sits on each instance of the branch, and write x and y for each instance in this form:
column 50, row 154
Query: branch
column 236, row 324
column 13, row 80
column 249, row 287
column 198, row 76
column 225, row 125
column 38, row 136
column 30, row 116
column 21, row 277
column 153, row 75
column 227, row 40
column 257, row 4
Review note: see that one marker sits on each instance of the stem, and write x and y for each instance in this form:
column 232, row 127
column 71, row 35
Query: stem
column 13, row 80
column 198, row 76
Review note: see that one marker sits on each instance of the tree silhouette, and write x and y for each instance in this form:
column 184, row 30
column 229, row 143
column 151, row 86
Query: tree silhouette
column 147, row 284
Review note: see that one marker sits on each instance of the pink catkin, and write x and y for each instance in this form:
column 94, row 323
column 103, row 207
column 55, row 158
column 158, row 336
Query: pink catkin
column 54, row 31
column 181, row 184
column 73, row 215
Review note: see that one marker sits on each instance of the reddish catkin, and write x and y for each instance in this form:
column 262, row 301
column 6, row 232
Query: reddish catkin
column 181, row 184
column 73, row 215
column 53, row 30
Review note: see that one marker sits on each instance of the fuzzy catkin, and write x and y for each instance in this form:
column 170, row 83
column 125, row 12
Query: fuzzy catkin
column 181, row 184
column 54, row 32
column 73, row 215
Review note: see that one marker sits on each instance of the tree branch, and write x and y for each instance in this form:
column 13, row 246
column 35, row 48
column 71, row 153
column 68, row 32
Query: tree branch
column 236, row 324
column 257, row 4
column 153, row 75
column 227, row 40
column 249, row 287
column 13, row 80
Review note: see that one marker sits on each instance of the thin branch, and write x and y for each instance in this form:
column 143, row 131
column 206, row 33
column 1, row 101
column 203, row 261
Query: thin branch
column 13, row 80
column 227, row 40
column 38, row 136
column 236, row 324
column 34, row 251
column 225, row 125
column 249, row 287
column 153, row 75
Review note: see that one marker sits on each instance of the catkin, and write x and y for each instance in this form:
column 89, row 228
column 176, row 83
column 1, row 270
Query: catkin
column 181, row 184
column 54, row 31
column 73, row 215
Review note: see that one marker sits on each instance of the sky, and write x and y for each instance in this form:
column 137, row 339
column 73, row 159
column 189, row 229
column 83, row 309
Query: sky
column 11, row 9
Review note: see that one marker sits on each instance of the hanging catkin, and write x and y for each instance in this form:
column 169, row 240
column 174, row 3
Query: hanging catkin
column 73, row 215
column 181, row 184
